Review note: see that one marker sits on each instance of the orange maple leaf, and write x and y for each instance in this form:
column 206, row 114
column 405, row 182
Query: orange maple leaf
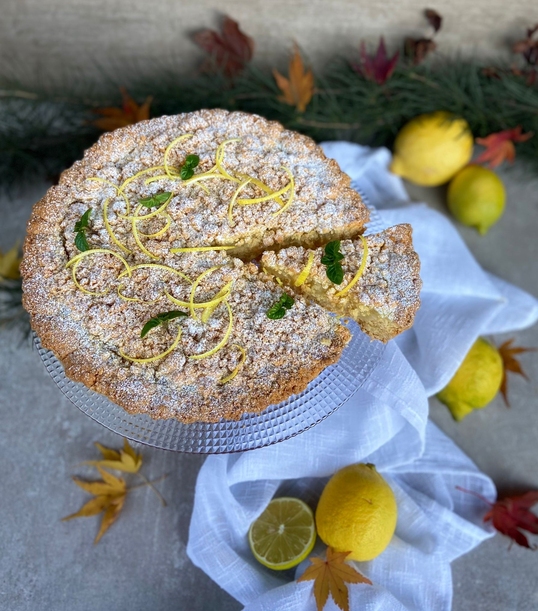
column 511, row 364
column 298, row 89
column 330, row 577
column 500, row 146
column 130, row 112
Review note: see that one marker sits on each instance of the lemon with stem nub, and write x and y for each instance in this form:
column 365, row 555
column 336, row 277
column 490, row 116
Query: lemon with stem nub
column 476, row 382
column 357, row 512
column 431, row 148
column 284, row 534
column 476, row 197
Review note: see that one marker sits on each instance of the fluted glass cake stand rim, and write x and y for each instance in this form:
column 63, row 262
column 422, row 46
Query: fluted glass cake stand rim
column 322, row 397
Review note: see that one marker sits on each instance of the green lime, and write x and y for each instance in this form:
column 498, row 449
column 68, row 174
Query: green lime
column 476, row 197
column 284, row 534
column 476, row 382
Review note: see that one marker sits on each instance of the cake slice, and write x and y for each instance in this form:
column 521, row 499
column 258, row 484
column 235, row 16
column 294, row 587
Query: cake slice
column 381, row 284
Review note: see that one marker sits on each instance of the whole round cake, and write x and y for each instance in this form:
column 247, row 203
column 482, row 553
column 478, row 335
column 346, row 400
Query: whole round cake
column 142, row 269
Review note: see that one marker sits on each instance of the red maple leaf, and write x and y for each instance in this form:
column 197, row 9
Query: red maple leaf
column 500, row 146
column 511, row 515
column 378, row 67
column 230, row 51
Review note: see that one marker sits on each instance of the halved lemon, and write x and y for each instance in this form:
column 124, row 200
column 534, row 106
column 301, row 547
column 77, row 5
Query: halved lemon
column 284, row 534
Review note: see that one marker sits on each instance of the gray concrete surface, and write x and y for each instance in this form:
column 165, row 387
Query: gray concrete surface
column 141, row 564
column 86, row 40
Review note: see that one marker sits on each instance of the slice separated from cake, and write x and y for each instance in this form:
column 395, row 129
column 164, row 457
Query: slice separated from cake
column 381, row 283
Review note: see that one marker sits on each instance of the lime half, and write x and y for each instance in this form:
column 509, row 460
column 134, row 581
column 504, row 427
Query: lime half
column 284, row 534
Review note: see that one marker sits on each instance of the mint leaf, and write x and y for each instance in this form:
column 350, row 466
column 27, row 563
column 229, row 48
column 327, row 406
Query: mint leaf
column 335, row 273
column 156, row 200
column 278, row 310
column 191, row 161
column 186, row 173
column 331, row 259
column 159, row 320
column 84, row 219
column 81, row 242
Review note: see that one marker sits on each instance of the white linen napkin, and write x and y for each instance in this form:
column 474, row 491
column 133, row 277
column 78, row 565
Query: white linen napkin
column 384, row 423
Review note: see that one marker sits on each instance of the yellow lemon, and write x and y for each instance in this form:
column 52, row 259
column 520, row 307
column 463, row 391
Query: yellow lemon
column 431, row 148
column 357, row 512
column 284, row 534
column 476, row 197
column 476, row 382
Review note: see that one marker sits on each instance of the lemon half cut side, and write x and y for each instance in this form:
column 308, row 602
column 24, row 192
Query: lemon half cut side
column 284, row 534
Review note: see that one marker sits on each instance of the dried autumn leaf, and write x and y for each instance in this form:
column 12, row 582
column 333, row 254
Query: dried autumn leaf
column 125, row 460
column 434, row 19
column 511, row 364
column 129, row 113
column 330, row 577
column 109, row 498
column 378, row 67
column 418, row 49
column 529, row 46
column 500, row 146
column 9, row 263
column 298, row 89
column 511, row 515
column 230, row 51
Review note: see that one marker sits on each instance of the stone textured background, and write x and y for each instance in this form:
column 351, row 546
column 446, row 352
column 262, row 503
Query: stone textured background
column 83, row 39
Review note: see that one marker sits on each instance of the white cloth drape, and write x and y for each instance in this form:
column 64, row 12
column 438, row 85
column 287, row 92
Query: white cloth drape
column 384, row 423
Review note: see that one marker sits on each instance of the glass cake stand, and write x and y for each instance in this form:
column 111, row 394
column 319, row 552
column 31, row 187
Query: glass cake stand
column 324, row 395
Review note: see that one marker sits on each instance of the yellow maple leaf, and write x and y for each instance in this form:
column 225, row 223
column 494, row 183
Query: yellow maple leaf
column 298, row 88
column 129, row 113
column 109, row 498
column 9, row 263
column 126, row 460
column 330, row 577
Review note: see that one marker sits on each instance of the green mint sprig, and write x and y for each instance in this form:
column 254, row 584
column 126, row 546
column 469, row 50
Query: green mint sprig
column 331, row 259
column 278, row 310
column 159, row 320
column 155, row 201
column 187, row 169
column 80, row 229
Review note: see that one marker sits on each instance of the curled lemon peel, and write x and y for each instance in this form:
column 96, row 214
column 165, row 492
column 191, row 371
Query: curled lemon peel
column 77, row 259
column 213, row 303
column 160, row 210
column 197, row 282
column 239, row 366
column 360, row 271
column 301, row 278
column 222, row 342
column 290, row 196
column 110, row 231
column 265, row 198
column 234, row 199
column 137, row 237
column 199, row 248
column 118, row 190
column 169, row 149
column 219, row 297
column 161, row 231
column 132, row 178
column 151, row 359
column 219, row 158
column 263, row 187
